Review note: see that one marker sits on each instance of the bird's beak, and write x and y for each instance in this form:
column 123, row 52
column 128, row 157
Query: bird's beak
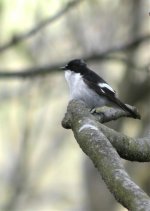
column 63, row 68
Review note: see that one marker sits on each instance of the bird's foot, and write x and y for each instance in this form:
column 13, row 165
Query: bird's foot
column 99, row 112
column 93, row 110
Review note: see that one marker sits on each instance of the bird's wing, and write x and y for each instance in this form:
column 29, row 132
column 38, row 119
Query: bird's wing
column 102, row 88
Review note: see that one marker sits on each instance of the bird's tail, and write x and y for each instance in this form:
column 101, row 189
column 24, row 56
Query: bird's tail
column 134, row 113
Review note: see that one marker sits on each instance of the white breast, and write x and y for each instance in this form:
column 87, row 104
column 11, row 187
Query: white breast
column 79, row 90
column 75, row 83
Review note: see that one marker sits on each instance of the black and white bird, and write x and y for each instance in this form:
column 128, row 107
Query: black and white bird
column 86, row 85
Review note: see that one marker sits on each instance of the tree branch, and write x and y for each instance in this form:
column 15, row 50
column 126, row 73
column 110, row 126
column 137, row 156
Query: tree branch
column 125, row 47
column 127, row 147
column 97, row 146
column 19, row 38
column 48, row 69
column 105, row 114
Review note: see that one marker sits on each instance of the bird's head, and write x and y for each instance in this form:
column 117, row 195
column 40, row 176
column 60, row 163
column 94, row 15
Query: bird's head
column 76, row 65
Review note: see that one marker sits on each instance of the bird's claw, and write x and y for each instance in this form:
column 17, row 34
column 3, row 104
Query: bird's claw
column 93, row 110
column 100, row 111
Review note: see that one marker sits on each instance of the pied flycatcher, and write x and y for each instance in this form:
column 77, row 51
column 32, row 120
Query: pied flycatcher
column 86, row 85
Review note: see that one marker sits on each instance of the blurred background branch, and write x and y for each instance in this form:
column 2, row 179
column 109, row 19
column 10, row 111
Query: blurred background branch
column 21, row 37
column 48, row 69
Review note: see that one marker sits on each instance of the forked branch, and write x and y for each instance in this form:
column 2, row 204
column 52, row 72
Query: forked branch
column 98, row 142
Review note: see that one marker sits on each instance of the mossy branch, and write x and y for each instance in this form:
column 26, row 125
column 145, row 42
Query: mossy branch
column 97, row 142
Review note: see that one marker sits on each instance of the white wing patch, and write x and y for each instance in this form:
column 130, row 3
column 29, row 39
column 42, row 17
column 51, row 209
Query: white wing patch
column 104, row 85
